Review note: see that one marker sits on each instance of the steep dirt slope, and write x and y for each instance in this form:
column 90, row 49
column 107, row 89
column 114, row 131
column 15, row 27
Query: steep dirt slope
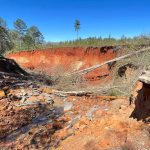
column 65, row 59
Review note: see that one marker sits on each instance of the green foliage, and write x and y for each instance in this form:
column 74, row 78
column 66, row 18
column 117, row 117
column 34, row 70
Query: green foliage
column 35, row 35
column 77, row 26
column 21, row 36
column 5, row 40
column 134, row 43
column 3, row 22
column 28, row 41
column 20, row 26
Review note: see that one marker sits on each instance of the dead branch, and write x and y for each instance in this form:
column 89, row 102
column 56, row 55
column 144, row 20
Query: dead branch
column 83, row 93
column 73, row 93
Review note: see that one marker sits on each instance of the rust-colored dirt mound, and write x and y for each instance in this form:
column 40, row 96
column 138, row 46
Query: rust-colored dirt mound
column 66, row 59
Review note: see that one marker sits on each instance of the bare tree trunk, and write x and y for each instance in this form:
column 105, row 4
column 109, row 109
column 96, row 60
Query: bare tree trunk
column 84, row 93
column 77, row 34
column 20, row 43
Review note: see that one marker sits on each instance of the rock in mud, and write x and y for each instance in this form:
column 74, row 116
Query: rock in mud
column 68, row 106
column 2, row 94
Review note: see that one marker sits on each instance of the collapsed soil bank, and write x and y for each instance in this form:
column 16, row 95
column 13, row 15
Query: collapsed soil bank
column 65, row 59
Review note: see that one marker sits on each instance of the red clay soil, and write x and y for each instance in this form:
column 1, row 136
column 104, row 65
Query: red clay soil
column 65, row 59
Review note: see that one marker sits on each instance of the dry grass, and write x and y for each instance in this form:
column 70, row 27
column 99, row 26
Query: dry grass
column 119, row 86
column 63, row 82
column 131, row 76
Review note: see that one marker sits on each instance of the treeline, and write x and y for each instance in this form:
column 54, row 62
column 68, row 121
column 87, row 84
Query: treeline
column 138, row 41
column 20, row 37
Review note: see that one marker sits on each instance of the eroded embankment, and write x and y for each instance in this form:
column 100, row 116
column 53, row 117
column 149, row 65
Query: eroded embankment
column 35, row 116
column 66, row 60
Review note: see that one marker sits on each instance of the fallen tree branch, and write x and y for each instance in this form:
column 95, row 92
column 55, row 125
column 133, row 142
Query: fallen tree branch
column 83, row 93
column 87, row 70
column 73, row 93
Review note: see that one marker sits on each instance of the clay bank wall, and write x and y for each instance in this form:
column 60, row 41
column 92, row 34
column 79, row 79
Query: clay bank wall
column 65, row 59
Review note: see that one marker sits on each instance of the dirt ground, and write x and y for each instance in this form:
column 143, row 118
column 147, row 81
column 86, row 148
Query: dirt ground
column 35, row 116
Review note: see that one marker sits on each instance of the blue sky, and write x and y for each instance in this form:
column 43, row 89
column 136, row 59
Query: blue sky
column 55, row 18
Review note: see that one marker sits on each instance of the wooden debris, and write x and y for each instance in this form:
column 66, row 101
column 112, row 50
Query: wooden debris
column 73, row 93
